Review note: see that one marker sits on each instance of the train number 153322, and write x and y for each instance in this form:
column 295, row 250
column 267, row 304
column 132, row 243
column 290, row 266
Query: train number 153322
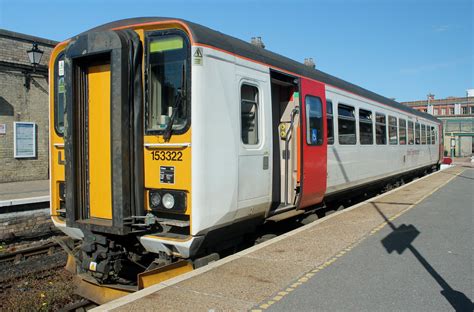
column 166, row 155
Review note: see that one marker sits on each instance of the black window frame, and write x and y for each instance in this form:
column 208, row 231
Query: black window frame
column 433, row 135
column 417, row 133
column 384, row 124
column 56, row 95
column 423, row 138
column 346, row 118
column 366, row 121
column 392, row 128
column 330, row 122
column 412, row 132
column 400, row 120
column 149, row 36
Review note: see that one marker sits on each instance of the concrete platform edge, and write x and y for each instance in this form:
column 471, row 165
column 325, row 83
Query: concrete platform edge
column 152, row 289
column 24, row 201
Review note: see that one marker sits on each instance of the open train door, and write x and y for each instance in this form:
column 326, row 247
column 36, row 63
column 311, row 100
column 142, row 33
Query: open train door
column 314, row 142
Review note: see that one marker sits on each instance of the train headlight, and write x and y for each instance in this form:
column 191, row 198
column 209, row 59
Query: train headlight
column 155, row 199
column 168, row 201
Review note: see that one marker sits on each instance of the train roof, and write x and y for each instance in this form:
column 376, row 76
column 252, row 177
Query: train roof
column 207, row 36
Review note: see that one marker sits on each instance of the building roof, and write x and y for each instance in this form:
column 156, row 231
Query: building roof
column 447, row 101
column 23, row 37
column 210, row 37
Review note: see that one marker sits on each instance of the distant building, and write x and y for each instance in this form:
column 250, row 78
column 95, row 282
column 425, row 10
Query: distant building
column 24, row 109
column 457, row 114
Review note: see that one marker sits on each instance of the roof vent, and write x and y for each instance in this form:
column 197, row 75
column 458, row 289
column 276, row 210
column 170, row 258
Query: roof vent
column 257, row 41
column 309, row 62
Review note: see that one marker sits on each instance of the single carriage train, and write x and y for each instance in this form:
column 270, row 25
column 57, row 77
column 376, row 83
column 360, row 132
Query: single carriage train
column 169, row 139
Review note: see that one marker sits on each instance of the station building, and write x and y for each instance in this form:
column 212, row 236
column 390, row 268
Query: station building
column 457, row 115
column 23, row 107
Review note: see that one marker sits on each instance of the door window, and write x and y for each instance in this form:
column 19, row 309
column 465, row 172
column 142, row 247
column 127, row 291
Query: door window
column 314, row 121
column 249, row 114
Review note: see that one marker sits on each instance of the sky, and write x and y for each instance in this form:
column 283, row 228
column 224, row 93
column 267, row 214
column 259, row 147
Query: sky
column 402, row 49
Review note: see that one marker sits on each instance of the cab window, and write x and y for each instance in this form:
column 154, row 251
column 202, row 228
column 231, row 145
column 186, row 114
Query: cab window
column 168, row 70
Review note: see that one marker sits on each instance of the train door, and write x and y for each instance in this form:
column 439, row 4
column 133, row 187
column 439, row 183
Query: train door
column 313, row 143
column 285, row 125
column 254, row 144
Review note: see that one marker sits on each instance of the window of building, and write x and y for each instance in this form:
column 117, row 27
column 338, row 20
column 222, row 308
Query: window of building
column 472, row 110
column 410, row 133
column 330, row 121
column 314, row 120
column 443, row 111
column 380, row 129
column 435, row 111
column 168, row 72
column 403, row 131
column 346, row 124
column 392, row 130
column 249, row 114
column 464, row 110
column 451, row 111
column 366, row 132
column 423, row 134
column 60, row 95
column 417, row 133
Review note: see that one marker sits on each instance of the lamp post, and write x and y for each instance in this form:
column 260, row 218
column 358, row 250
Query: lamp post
column 34, row 55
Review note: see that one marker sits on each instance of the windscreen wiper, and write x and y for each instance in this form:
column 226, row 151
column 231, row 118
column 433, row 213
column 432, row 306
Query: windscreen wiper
column 169, row 126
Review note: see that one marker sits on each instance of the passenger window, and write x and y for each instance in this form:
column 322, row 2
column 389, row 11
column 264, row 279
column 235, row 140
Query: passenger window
column 392, row 130
column 366, row 132
column 249, row 114
column 330, row 121
column 380, row 129
column 423, row 134
column 402, row 125
column 433, row 138
column 417, row 133
column 314, row 121
column 411, row 140
column 346, row 124
column 428, row 135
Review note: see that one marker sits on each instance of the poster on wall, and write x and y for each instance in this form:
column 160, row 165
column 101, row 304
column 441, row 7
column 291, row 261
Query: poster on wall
column 24, row 139
column 3, row 129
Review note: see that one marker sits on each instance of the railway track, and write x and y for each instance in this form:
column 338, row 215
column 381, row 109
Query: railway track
column 21, row 254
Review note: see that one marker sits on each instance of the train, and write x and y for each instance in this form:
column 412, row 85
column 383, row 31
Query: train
column 171, row 141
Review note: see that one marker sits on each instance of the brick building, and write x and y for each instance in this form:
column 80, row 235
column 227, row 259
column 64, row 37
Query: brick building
column 457, row 114
column 23, row 98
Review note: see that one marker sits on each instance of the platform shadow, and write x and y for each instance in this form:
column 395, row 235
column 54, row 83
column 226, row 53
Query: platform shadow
column 400, row 240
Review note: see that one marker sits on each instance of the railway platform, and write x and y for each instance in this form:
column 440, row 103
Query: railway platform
column 407, row 249
column 23, row 193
